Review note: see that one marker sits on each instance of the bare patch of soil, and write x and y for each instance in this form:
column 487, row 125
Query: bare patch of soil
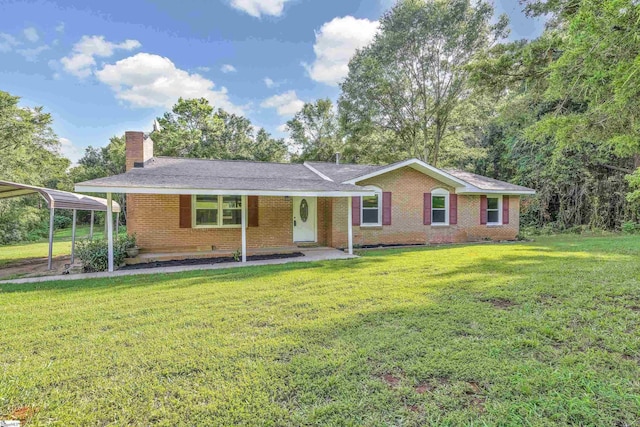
column 501, row 303
column 390, row 380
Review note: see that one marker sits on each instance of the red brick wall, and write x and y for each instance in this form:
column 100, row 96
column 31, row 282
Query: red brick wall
column 156, row 221
column 408, row 187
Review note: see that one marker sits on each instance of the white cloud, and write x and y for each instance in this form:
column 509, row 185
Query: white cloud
column 286, row 104
column 31, row 34
column 146, row 80
column 7, row 42
column 203, row 69
column 81, row 61
column 228, row 68
column 269, row 83
column 336, row 42
column 283, row 128
column 71, row 151
column 258, row 8
column 60, row 27
column 31, row 54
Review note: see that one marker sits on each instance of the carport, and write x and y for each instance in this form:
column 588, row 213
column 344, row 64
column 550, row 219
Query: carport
column 57, row 199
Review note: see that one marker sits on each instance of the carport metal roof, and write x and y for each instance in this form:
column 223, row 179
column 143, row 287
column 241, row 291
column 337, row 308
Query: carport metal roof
column 56, row 199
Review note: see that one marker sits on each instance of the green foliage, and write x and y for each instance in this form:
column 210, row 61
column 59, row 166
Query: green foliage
column 194, row 128
column 411, row 82
column 630, row 227
column 315, row 131
column 94, row 254
column 29, row 153
column 535, row 334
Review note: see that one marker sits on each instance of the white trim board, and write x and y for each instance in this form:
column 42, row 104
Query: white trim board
column 418, row 165
column 191, row 191
column 317, row 172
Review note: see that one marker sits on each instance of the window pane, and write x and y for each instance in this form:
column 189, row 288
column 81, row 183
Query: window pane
column 231, row 217
column 206, row 216
column 206, row 202
column 492, row 202
column 231, row 202
column 493, row 216
column 370, row 216
column 438, row 217
column 370, row 201
column 438, row 202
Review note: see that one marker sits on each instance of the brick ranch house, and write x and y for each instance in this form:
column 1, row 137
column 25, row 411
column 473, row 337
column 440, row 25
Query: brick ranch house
column 180, row 204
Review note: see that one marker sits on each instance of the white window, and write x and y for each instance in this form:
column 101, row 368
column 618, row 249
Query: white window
column 494, row 210
column 439, row 207
column 217, row 211
column 371, row 208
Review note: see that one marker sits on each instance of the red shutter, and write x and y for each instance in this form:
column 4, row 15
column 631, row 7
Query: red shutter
column 427, row 209
column 185, row 211
column 505, row 209
column 483, row 210
column 453, row 209
column 355, row 210
column 252, row 210
column 386, row 208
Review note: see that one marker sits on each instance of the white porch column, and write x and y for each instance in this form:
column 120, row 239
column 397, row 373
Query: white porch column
column 109, row 222
column 350, row 224
column 73, row 238
column 244, row 228
column 51, row 214
column 91, row 228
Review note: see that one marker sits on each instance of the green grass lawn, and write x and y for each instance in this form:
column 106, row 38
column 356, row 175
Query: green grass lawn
column 542, row 333
column 61, row 245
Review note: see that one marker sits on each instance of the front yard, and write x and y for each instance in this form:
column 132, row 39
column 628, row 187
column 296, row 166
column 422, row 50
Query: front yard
column 540, row 333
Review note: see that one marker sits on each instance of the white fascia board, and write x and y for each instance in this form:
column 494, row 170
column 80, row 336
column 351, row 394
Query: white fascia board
column 420, row 165
column 189, row 191
column 317, row 172
column 480, row 191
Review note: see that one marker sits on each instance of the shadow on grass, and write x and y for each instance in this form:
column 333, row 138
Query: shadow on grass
column 528, row 259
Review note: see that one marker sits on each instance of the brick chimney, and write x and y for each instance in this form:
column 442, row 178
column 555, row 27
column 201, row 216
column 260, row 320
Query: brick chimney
column 139, row 149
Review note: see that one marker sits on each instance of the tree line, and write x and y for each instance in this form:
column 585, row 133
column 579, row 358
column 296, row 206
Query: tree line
column 439, row 82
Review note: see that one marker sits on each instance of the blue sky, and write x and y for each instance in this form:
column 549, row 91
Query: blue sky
column 103, row 67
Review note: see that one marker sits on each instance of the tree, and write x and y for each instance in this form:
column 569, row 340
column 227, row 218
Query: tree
column 29, row 153
column 315, row 131
column 193, row 128
column 413, row 76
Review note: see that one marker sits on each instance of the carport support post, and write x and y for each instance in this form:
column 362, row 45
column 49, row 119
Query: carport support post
column 51, row 215
column 350, row 224
column 244, row 228
column 73, row 238
column 91, row 227
column 109, row 221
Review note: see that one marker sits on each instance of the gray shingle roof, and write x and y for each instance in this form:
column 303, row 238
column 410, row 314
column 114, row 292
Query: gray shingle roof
column 181, row 173
column 343, row 172
column 484, row 182
column 201, row 174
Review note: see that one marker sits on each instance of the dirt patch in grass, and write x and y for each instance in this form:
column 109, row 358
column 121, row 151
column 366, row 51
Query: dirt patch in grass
column 22, row 414
column 501, row 303
column 390, row 380
column 208, row 261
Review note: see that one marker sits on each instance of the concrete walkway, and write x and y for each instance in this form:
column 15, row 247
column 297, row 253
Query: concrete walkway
column 310, row 255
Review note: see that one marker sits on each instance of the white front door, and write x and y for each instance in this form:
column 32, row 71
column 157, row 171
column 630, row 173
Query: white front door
column 304, row 219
